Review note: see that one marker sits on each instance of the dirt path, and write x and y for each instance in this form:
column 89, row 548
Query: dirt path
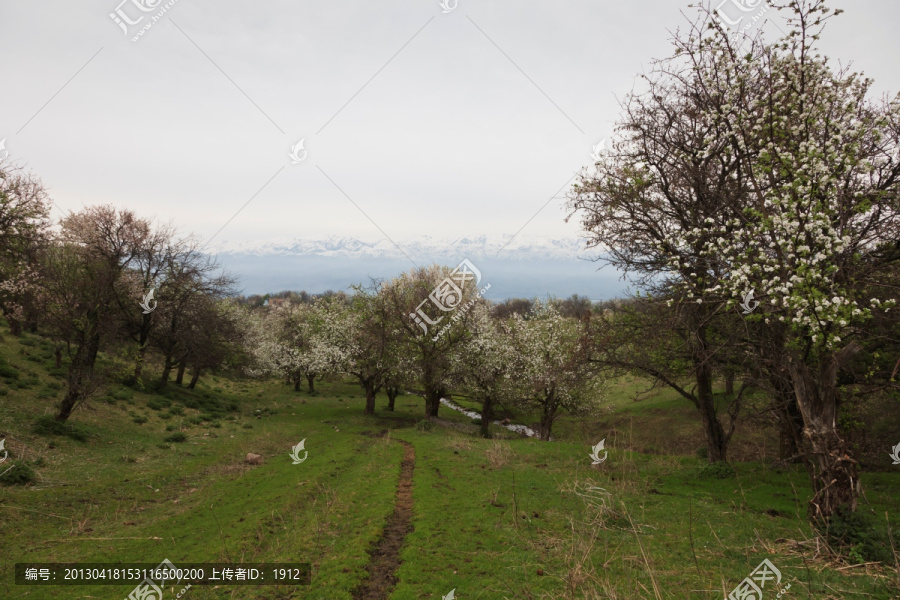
column 386, row 555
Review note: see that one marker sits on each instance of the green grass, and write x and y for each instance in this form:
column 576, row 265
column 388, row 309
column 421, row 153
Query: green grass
column 493, row 519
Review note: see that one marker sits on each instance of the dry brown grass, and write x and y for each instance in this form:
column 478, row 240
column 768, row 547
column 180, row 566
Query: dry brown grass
column 498, row 454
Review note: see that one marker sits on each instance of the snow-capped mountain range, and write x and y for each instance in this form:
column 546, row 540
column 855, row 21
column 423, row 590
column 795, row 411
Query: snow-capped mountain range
column 420, row 248
column 520, row 267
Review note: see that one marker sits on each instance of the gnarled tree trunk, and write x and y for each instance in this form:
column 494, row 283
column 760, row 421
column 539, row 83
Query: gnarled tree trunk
column 835, row 474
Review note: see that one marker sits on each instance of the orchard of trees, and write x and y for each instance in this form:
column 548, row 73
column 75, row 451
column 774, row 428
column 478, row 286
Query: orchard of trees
column 752, row 200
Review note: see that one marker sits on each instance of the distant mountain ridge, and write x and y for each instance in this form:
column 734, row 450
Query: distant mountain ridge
column 420, row 248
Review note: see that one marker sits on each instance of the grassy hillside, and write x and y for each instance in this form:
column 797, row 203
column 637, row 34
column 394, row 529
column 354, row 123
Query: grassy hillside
column 139, row 476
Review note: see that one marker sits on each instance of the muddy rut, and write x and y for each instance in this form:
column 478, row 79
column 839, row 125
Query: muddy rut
column 385, row 557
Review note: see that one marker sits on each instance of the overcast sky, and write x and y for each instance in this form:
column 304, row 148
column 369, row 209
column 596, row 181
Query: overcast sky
column 456, row 124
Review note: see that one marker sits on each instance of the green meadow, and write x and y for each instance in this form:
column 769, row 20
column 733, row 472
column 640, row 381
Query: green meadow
column 146, row 475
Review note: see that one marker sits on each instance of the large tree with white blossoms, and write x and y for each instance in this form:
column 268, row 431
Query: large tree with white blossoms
column 549, row 368
column 820, row 227
column 796, row 170
column 483, row 370
column 648, row 204
column 363, row 334
column 302, row 341
column 429, row 309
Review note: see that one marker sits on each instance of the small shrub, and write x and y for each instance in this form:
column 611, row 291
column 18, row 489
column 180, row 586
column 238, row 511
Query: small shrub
column 860, row 536
column 58, row 372
column 47, row 425
column 7, row 371
column 21, row 473
column 424, row 425
column 176, row 438
column 247, row 426
column 159, row 403
column 27, row 383
column 192, row 403
column 702, row 452
column 717, row 470
column 195, row 420
column 123, row 394
column 216, row 425
column 140, row 420
column 171, row 428
column 176, row 411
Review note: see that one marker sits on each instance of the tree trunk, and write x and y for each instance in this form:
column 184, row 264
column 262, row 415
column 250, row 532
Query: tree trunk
column 179, row 378
column 433, row 402
column 548, row 415
column 369, row 387
column 309, row 380
column 716, row 439
column 729, row 384
column 79, row 374
column 194, row 378
column 392, row 395
column 139, row 361
column 296, row 384
column 143, row 336
column 167, row 370
column 15, row 326
column 487, row 413
column 790, row 432
column 57, row 354
column 835, row 475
